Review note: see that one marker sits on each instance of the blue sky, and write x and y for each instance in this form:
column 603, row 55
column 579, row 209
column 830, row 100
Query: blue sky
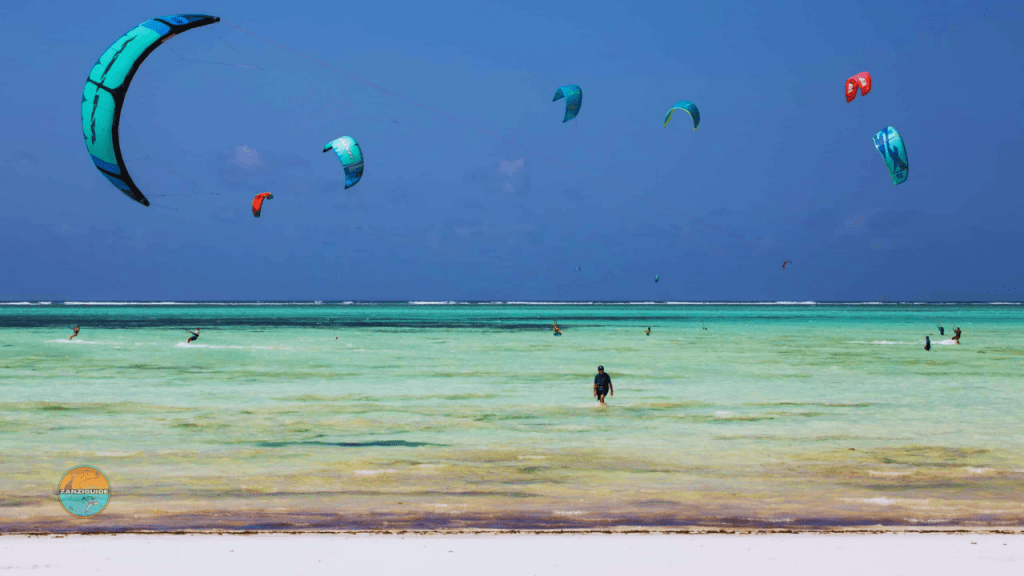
column 475, row 190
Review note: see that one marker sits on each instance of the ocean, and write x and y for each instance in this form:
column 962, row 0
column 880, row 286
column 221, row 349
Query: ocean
column 452, row 415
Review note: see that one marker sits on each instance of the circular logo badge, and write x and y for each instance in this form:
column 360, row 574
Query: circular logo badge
column 84, row 491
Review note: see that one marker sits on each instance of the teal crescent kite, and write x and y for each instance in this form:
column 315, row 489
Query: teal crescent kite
column 573, row 100
column 106, row 87
column 351, row 156
column 890, row 145
column 687, row 106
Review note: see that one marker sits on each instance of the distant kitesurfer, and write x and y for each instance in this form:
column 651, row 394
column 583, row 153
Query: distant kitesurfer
column 942, row 331
column 76, row 329
column 927, row 343
column 556, row 329
column 602, row 385
column 648, row 330
column 194, row 336
column 956, row 334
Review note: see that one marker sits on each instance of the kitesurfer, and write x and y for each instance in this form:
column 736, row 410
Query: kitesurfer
column 76, row 329
column 194, row 336
column 602, row 385
column 648, row 330
column 555, row 328
column 927, row 343
column 956, row 334
column 942, row 331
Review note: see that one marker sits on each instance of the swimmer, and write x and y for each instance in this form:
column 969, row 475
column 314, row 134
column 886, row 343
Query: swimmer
column 76, row 329
column 602, row 385
column 927, row 343
column 194, row 336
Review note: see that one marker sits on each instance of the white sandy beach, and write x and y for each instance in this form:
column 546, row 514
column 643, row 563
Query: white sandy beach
column 854, row 554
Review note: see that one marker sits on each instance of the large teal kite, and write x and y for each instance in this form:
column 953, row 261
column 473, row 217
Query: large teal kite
column 688, row 107
column 890, row 146
column 573, row 95
column 351, row 156
column 106, row 87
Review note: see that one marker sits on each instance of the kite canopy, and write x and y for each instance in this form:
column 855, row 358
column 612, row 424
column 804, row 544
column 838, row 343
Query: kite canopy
column 786, row 262
column 573, row 100
column 257, row 203
column 862, row 81
column 687, row 106
column 655, row 278
column 106, row 87
column 890, row 146
column 351, row 156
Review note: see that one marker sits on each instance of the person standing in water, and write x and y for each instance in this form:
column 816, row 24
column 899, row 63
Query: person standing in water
column 602, row 385
column 956, row 334
column 942, row 331
column 648, row 330
column 555, row 328
column 927, row 343
column 76, row 329
column 194, row 336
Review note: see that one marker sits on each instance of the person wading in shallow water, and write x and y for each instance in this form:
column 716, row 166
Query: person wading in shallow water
column 602, row 385
column 927, row 343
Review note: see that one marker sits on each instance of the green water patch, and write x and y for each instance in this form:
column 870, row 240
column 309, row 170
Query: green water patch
column 1011, row 351
column 725, row 418
column 369, row 444
column 929, row 456
column 494, row 417
column 788, row 439
column 816, row 404
column 89, row 407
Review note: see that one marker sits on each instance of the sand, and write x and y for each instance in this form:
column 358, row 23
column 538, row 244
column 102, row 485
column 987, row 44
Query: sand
column 496, row 554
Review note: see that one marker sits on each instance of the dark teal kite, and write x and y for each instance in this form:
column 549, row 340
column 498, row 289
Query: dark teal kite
column 573, row 95
column 351, row 156
column 890, row 146
column 106, row 87
column 688, row 107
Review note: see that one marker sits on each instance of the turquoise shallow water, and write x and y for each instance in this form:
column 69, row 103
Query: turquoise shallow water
column 473, row 415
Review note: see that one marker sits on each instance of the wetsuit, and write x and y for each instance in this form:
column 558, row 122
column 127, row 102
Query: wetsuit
column 927, row 343
column 603, row 382
column 942, row 331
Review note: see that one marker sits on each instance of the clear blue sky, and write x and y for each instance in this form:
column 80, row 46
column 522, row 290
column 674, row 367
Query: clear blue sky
column 781, row 168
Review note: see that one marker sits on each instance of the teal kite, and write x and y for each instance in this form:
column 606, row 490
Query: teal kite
column 573, row 100
column 687, row 106
column 105, row 90
column 351, row 156
column 890, row 146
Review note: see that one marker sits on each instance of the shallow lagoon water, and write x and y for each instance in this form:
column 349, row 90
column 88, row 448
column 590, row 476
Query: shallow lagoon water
column 473, row 415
